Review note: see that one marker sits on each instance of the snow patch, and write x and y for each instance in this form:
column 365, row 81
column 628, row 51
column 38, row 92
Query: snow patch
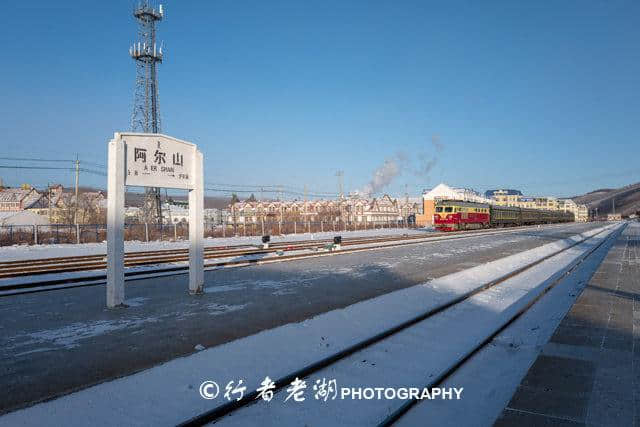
column 217, row 309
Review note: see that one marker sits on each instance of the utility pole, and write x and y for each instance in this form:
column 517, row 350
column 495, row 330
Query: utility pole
column 613, row 201
column 340, row 175
column 406, row 203
column 75, row 214
column 304, row 205
column 280, row 200
column 281, row 208
column 49, row 185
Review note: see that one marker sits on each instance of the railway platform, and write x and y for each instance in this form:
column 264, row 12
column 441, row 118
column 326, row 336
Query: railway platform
column 141, row 366
column 588, row 374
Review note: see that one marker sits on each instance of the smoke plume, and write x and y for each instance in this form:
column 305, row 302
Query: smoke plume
column 420, row 164
column 384, row 175
column 426, row 162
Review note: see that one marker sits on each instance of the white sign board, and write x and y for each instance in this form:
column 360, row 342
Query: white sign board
column 159, row 161
column 152, row 160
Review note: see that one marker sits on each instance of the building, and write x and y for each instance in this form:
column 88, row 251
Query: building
column 505, row 197
column 60, row 207
column 382, row 211
column 354, row 209
column 175, row 213
column 580, row 212
column 18, row 199
column 410, row 208
column 215, row 216
column 132, row 214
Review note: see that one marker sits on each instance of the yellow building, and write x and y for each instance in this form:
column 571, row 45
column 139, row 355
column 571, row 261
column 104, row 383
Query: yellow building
column 505, row 197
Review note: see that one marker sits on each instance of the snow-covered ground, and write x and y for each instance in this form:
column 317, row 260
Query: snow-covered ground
column 152, row 270
column 21, row 252
column 489, row 384
column 168, row 393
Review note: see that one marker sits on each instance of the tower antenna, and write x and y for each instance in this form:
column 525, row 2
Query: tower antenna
column 145, row 116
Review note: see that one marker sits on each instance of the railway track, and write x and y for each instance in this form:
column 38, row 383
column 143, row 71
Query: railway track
column 238, row 254
column 10, row 269
column 216, row 414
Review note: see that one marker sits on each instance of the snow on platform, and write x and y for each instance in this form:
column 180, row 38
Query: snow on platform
column 168, row 394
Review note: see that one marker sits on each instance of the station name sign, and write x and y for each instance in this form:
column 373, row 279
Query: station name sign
column 152, row 160
column 158, row 161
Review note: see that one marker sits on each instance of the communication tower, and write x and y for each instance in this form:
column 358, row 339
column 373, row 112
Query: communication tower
column 147, row 54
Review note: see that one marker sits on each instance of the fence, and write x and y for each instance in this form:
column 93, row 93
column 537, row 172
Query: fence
column 92, row 233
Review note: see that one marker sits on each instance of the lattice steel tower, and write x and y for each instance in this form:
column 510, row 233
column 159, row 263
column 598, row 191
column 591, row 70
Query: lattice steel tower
column 146, row 113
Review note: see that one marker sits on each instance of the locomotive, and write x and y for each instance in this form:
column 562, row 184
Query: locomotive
column 453, row 215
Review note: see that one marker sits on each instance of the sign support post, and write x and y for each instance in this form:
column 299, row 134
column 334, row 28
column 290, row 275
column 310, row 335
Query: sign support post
column 152, row 160
column 196, row 228
column 115, row 223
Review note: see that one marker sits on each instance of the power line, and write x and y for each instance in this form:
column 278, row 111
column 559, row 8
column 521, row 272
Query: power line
column 272, row 189
column 293, row 193
column 97, row 165
column 37, row 167
column 31, row 159
column 94, row 172
column 25, row 159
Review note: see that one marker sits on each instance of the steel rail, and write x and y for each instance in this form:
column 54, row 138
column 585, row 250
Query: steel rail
column 98, row 262
column 440, row 379
column 250, row 398
column 100, row 279
column 241, row 248
column 94, row 262
column 169, row 255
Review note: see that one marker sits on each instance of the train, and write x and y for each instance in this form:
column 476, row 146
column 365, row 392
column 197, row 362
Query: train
column 455, row 215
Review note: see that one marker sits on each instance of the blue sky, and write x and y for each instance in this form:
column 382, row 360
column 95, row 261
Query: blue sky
column 540, row 96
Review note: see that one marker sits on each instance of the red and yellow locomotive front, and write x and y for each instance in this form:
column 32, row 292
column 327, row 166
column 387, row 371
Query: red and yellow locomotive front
column 453, row 215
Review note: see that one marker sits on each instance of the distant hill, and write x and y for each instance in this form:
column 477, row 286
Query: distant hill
column 627, row 199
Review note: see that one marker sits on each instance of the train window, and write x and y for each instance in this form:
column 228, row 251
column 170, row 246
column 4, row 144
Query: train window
column 438, row 208
column 448, row 209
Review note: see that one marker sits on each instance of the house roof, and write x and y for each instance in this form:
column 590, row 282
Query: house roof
column 27, row 197
column 443, row 191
